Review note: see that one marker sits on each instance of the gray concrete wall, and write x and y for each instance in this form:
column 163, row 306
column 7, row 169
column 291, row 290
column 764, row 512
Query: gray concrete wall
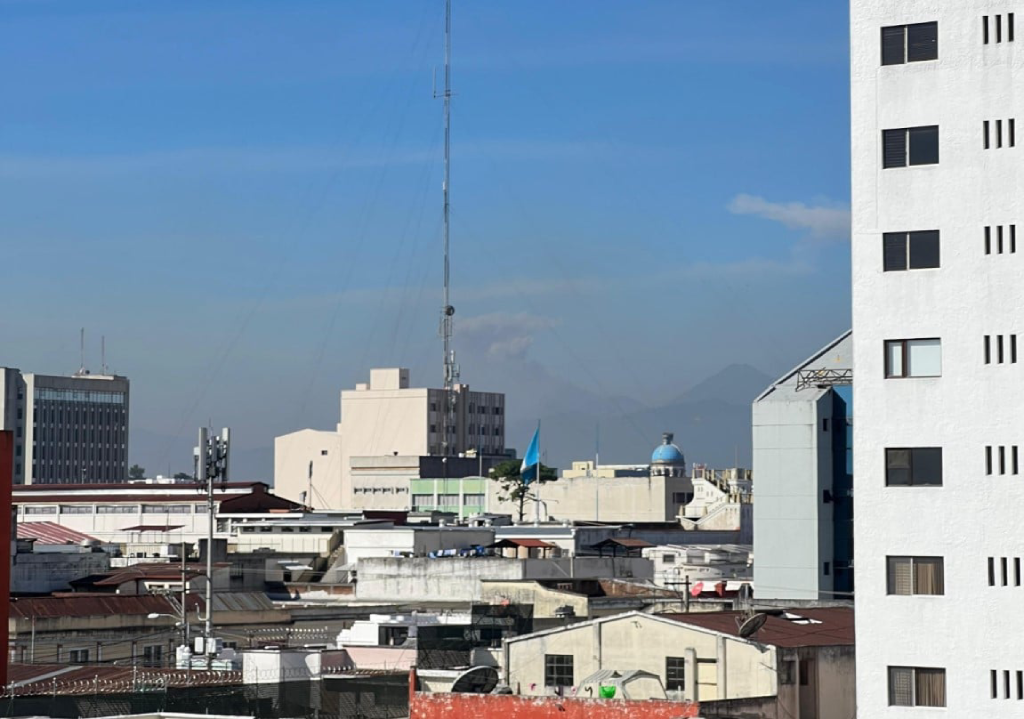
column 455, row 579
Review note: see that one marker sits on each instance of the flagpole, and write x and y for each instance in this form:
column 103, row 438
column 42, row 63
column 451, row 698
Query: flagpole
column 536, row 499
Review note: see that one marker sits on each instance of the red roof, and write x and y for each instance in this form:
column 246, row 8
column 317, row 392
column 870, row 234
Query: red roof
column 821, row 627
column 56, row 487
column 95, row 605
column 51, row 533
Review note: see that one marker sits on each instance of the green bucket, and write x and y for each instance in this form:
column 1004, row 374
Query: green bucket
column 607, row 691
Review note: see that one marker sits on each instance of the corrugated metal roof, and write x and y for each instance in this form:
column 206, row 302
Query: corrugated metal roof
column 29, row 679
column 51, row 533
column 825, row 626
column 241, row 602
column 54, row 607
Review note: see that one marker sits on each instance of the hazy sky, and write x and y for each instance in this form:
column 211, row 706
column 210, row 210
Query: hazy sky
column 243, row 196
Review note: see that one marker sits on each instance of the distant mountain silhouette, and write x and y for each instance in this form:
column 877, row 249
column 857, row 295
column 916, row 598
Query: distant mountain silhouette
column 711, row 423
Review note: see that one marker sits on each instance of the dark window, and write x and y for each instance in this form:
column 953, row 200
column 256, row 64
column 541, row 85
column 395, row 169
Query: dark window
column 991, row 572
column 910, row 43
column 910, row 250
column 826, row 569
column 910, row 146
column 913, row 466
column 558, row 670
column 675, row 674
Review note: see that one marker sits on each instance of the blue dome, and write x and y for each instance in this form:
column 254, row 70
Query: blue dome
column 666, row 452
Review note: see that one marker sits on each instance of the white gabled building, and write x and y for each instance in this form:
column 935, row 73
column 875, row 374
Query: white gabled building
column 937, row 191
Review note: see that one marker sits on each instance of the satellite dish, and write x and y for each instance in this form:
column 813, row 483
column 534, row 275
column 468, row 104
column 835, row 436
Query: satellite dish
column 476, row 680
column 752, row 624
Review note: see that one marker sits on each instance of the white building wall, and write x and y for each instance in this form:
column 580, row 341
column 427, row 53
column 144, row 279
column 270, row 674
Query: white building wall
column 793, row 527
column 972, row 516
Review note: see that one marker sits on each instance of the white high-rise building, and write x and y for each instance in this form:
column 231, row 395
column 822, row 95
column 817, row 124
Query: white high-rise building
column 937, row 299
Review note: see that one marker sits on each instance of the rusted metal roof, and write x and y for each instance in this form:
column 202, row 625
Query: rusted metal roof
column 51, row 533
column 42, row 488
column 86, row 606
column 826, row 626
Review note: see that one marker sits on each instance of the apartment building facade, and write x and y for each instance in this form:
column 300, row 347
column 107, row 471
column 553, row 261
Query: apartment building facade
column 936, row 185
column 67, row 429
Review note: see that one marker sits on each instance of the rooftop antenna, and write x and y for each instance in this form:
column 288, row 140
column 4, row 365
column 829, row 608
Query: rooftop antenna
column 451, row 369
column 103, row 354
column 82, row 371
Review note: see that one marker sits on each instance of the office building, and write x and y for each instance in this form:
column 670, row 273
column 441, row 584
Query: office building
column 936, row 314
column 386, row 417
column 68, row 430
column 803, row 516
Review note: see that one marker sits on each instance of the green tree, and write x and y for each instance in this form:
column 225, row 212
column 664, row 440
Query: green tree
column 182, row 475
column 513, row 489
column 136, row 472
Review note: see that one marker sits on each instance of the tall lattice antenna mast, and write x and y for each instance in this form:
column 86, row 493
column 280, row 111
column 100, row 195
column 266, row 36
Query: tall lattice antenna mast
column 451, row 369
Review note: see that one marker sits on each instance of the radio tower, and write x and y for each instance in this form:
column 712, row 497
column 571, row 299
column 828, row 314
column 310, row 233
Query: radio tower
column 451, row 369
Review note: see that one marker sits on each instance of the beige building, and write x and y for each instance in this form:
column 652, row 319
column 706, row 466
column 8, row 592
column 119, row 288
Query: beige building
column 615, row 493
column 384, row 417
column 798, row 665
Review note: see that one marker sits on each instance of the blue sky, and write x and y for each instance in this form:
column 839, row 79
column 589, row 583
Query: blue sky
column 243, row 196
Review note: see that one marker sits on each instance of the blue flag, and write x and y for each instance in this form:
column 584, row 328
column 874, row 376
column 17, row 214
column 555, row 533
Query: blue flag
column 530, row 469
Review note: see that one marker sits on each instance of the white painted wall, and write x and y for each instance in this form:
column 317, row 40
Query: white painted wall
column 793, row 527
column 972, row 516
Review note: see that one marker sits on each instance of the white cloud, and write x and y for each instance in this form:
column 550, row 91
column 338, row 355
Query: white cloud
column 503, row 334
column 826, row 221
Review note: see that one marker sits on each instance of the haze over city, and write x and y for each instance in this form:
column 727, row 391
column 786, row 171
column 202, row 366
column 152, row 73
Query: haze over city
column 243, row 197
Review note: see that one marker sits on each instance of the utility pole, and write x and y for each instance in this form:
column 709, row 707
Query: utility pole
column 211, row 466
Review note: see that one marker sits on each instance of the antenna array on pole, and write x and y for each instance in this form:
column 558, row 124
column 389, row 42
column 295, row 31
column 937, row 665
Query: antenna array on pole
column 451, row 369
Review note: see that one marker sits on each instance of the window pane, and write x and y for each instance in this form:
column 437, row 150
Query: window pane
column 892, row 45
column 894, row 251
column 930, row 687
column 924, row 358
column 928, row 575
column 894, row 148
column 924, row 145
column 900, row 578
column 927, row 465
column 897, row 466
column 922, row 41
column 924, row 249
column 894, row 358
column 901, row 686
